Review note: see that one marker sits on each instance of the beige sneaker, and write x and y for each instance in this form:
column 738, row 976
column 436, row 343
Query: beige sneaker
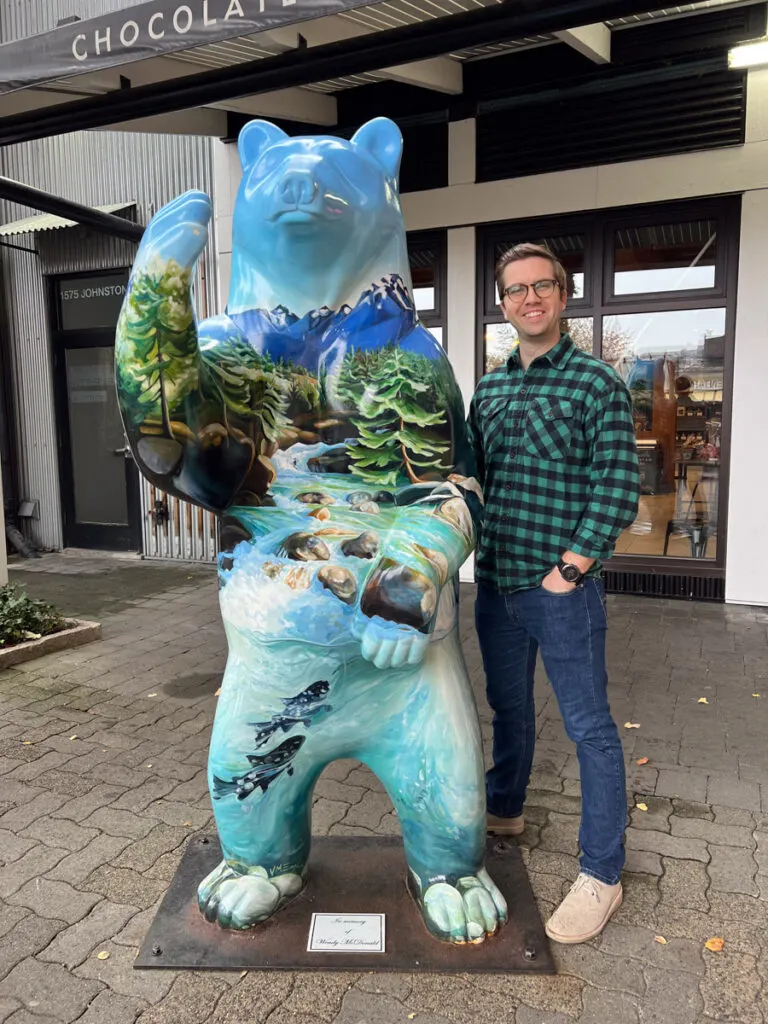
column 585, row 911
column 496, row 826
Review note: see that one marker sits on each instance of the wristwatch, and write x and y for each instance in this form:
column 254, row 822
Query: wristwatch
column 571, row 573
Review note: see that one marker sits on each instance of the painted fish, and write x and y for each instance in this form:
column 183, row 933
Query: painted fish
column 305, row 700
column 265, row 768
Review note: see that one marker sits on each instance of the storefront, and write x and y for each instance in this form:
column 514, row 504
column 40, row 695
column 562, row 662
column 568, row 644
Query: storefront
column 638, row 157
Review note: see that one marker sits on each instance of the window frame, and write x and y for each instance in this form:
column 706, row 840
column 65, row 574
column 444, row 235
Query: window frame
column 599, row 302
column 433, row 241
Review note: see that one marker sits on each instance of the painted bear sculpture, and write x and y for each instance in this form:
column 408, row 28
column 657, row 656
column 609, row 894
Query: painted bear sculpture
column 324, row 424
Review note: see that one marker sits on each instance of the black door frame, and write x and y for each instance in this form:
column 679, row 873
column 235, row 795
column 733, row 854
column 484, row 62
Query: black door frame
column 86, row 535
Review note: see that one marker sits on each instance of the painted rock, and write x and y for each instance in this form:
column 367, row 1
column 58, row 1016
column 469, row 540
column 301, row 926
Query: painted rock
column 400, row 594
column 367, row 506
column 357, row 497
column 456, row 512
column 340, row 582
column 320, row 513
column 366, row 545
column 384, row 497
column 437, row 560
column 315, row 498
column 305, row 547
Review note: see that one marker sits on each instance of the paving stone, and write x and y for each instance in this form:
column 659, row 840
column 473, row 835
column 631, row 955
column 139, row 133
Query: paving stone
column 108, row 1008
column 582, row 961
column 655, row 818
column 560, row 835
column 75, row 868
column 318, row 994
column 56, row 900
column 136, row 800
column 376, row 1008
column 12, row 846
column 666, row 845
column 27, row 937
column 120, row 823
column 52, row 990
column 638, row 943
column 141, row 855
column 66, row 783
column 671, row 998
column 10, row 917
column 731, row 792
column 35, row 862
column 733, row 816
column 733, row 869
column 24, row 1017
column 643, row 862
column 641, row 897
column 560, row 864
column 333, row 790
column 369, row 811
column 692, row 809
column 731, row 986
column 177, row 814
column 9, row 1006
column 191, row 1000
column 120, row 885
column 61, row 833
column 393, row 984
column 478, row 998
column 165, row 867
column 712, row 832
column 253, row 999
column 134, row 932
column 117, row 974
column 326, row 813
column 601, row 1007
column 685, row 884
column 22, row 816
column 83, row 806
column 72, row 946
column 527, row 1015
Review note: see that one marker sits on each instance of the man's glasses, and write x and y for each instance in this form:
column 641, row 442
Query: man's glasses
column 519, row 292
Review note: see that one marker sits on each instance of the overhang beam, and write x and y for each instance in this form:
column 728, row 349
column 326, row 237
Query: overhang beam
column 591, row 41
column 28, row 195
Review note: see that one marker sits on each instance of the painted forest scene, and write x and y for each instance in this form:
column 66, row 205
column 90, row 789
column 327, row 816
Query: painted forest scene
column 386, row 412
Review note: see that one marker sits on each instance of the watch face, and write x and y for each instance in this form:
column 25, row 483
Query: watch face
column 570, row 573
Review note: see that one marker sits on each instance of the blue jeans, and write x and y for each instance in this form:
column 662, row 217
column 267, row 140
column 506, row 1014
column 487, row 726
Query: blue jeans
column 570, row 630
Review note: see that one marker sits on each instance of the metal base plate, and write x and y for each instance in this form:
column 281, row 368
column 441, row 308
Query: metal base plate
column 347, row 875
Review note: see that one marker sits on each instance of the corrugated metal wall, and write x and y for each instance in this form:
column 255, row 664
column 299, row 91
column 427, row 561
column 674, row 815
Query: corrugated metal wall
column 94, row 168
column 20, row 18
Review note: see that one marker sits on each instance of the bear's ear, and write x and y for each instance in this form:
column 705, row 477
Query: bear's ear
column 382, row 139
column 255, row 138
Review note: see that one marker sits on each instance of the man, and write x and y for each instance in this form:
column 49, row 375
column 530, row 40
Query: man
column 555, row 446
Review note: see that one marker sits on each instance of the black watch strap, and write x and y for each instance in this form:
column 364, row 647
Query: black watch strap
column 571, row 573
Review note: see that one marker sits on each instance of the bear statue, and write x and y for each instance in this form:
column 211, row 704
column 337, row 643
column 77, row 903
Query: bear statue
column 323, row 423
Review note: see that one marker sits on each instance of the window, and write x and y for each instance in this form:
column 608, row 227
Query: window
column 426, row 256
column 652, row 292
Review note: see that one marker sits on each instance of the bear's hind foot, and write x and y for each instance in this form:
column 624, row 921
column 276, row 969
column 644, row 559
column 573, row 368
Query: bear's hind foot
column 241, row 900
column 466, row 911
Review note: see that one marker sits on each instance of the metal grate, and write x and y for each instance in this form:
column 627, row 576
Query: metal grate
column 617, row 123
column 651, row 584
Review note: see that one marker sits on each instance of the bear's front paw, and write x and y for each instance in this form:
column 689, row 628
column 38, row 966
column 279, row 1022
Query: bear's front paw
column 391, row 644
column 178, row 231
column 240, row 901
column 465, row 912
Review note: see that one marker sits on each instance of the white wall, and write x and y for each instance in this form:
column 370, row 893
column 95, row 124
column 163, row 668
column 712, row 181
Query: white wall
column 3, row 560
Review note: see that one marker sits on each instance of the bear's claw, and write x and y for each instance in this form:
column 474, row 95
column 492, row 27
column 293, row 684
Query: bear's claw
column 465, row 912
column 240, row 901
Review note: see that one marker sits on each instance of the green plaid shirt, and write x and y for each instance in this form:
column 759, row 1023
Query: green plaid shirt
column 556, row 455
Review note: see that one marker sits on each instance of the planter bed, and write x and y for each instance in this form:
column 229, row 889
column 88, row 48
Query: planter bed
column 76, row 633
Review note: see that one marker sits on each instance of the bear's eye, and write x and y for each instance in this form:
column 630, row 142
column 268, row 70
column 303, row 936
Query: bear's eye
column 266, row 164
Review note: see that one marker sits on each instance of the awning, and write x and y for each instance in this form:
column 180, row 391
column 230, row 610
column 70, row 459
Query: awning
column 50, row 222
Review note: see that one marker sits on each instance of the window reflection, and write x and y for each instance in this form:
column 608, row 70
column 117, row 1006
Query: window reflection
column 665, row 258
column 672, row 364
column 501, row 339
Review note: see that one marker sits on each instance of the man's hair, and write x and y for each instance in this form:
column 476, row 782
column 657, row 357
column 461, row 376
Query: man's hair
column 525, row 251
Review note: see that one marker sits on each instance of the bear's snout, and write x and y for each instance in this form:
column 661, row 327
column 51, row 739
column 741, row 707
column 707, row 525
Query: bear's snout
column 297, row 188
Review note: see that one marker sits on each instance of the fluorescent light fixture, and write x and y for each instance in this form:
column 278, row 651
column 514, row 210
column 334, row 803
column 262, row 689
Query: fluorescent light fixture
column 749, row 55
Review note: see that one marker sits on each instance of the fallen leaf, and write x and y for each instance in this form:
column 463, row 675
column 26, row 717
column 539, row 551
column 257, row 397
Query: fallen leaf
column 411, row 1016
column 243, row 973
column 631, row 725
column 715, row 944
column 217, row 692
column 641, row 807
column 660, row 939
column 74, row 736
column 151, row 694
column 103, row 955
column 642, row 760
column 149, row 766
column 26, row 743
column 755, row 694
column 188, row 823
column 702, row 700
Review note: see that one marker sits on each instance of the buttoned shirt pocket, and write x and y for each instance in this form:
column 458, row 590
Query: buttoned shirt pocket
column 492, row 416
column 549, row 429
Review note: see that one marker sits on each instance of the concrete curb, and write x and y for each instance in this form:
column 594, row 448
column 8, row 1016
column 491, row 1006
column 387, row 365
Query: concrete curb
column 79, row 632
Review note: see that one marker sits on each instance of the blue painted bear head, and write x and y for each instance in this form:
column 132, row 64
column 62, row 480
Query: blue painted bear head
column 316, row 218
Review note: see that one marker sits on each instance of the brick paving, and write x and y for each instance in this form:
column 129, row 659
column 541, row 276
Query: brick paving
column 102, row 781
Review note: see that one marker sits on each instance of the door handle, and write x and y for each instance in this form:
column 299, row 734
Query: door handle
column 126, row 451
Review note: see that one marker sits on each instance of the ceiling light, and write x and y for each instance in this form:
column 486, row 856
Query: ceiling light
column 749, row 55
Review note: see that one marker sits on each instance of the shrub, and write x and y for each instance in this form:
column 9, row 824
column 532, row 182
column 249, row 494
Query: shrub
column 24, row 618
